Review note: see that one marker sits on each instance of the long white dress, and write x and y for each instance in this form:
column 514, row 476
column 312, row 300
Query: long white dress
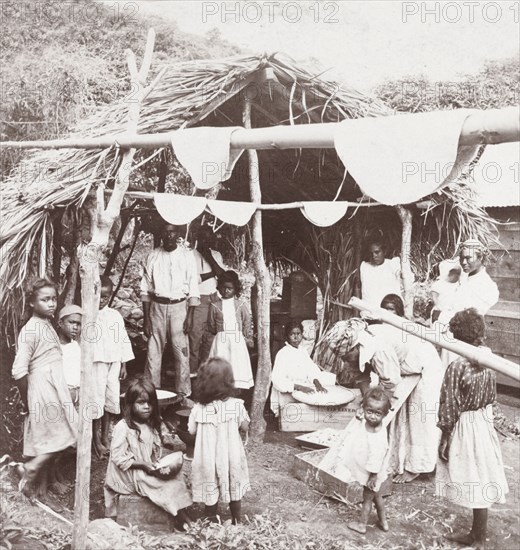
column 219, row 469
column 414, row 436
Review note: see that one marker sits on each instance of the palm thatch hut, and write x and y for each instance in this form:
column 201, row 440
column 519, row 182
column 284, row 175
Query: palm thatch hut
column 51, row 189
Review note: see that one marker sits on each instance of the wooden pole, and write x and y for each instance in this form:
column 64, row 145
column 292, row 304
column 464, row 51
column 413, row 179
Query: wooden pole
column 478, row 355
column 102, row 220
column 405, row 216
column 481, row 127
column 263, row 295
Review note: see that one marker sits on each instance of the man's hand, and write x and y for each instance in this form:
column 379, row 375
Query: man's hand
column 123, row 372
column 147, row 327
column 188, row 322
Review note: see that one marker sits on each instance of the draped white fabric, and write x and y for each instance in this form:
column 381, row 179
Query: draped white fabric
column 401, row 159
column 206, row 154
column 179, row 209
column 324, row 213
column 232, row 212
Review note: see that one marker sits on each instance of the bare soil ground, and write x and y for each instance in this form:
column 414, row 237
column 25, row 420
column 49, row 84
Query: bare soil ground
column 417, row 518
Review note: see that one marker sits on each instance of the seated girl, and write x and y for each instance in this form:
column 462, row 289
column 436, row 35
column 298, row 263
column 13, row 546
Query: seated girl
column 294, row 370
column 135, row 448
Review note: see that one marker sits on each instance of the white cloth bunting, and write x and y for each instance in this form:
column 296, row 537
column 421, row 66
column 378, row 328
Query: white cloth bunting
column 232, row 212
column 206, row 154
column 179, row 209
column 183, row 209
column 323, row 213
column 401, row 159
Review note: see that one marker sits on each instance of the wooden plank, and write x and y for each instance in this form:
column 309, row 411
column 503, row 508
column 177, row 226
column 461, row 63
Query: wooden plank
column 505, row 265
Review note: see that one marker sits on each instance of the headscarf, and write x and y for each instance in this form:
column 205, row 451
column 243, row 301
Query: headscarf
column 337, row 341
column 474, row 244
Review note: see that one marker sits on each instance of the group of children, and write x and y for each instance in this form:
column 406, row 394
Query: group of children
column 46, row 371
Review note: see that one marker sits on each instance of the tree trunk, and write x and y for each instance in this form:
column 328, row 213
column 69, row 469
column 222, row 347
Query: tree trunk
column 89, row 256
column 263, row 295
column 69, row 292
column 406, row 270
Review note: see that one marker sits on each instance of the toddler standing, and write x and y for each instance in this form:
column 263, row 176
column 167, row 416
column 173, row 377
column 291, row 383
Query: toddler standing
column 219, row 468
column 366, row 448
column 229, row 319
column 113, row 349
column 51, row 422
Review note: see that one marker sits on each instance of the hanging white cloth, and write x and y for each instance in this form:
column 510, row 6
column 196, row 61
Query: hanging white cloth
column 232, row 212
column 179, row 209
column 324, row 213
column 401, row 159
column 206, row 154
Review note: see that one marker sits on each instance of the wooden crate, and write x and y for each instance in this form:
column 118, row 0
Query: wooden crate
column 305, row 468
column 143, row 513
column 299, row 417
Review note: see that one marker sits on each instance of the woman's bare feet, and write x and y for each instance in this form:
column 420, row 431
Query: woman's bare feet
column 466, row 539
column 358, row 527
column 100, row 450
column 405, row 477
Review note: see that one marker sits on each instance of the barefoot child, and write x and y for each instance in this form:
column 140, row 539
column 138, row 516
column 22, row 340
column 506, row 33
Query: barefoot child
column 51, row 422
column 365, row 458
column 219, row 468
column 470, row 472
column 229, row 319
column 69, row 329
column 135, row 448
column 113, row 349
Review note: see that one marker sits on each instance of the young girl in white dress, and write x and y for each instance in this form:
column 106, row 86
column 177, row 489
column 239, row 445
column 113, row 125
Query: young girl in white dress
column 229, row 318
column 219, row 468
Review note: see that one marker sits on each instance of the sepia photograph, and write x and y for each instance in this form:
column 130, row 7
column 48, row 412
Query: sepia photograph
column 259, row 275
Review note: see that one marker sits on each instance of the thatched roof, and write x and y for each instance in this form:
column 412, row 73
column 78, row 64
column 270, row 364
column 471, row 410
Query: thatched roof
column 193, row 93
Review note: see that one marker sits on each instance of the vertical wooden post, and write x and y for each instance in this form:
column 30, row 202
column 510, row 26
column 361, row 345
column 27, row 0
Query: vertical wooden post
column 263, row 295
column 89, row 255
column 405, row 216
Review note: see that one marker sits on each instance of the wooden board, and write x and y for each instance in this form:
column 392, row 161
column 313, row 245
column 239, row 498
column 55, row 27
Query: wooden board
column 320, row 439
column 299, row 417
column 305, row 468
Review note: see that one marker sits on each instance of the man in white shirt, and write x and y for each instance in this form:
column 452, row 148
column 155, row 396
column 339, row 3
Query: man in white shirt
column 209, row 264
column 168, row 288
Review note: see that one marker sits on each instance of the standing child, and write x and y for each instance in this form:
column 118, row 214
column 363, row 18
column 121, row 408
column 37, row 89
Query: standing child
column 229, row 319
column 69, row 329
column 470, row 472
column 219, row 469
column 135, row 448
column 51, row 422
column 366, row 449
column 113, row 349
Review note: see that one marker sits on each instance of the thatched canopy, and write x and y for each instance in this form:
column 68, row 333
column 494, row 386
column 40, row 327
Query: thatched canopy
column 206, row 93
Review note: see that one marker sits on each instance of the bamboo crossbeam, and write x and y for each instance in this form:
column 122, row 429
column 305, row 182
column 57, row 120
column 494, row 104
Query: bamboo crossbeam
column 259, row 206
column 481, row 127
column 477, row 355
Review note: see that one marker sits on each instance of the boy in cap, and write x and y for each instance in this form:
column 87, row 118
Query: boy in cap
column 69, row 329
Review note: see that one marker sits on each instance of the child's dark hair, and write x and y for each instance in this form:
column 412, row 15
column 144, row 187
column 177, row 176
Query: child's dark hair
column 106, row 282
column 138, row 387
column 378, row 394
column 291, row 325
column 468, row 326
column 36, row 286
column 230, row 277
column 396, row 301
column 214, row 381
